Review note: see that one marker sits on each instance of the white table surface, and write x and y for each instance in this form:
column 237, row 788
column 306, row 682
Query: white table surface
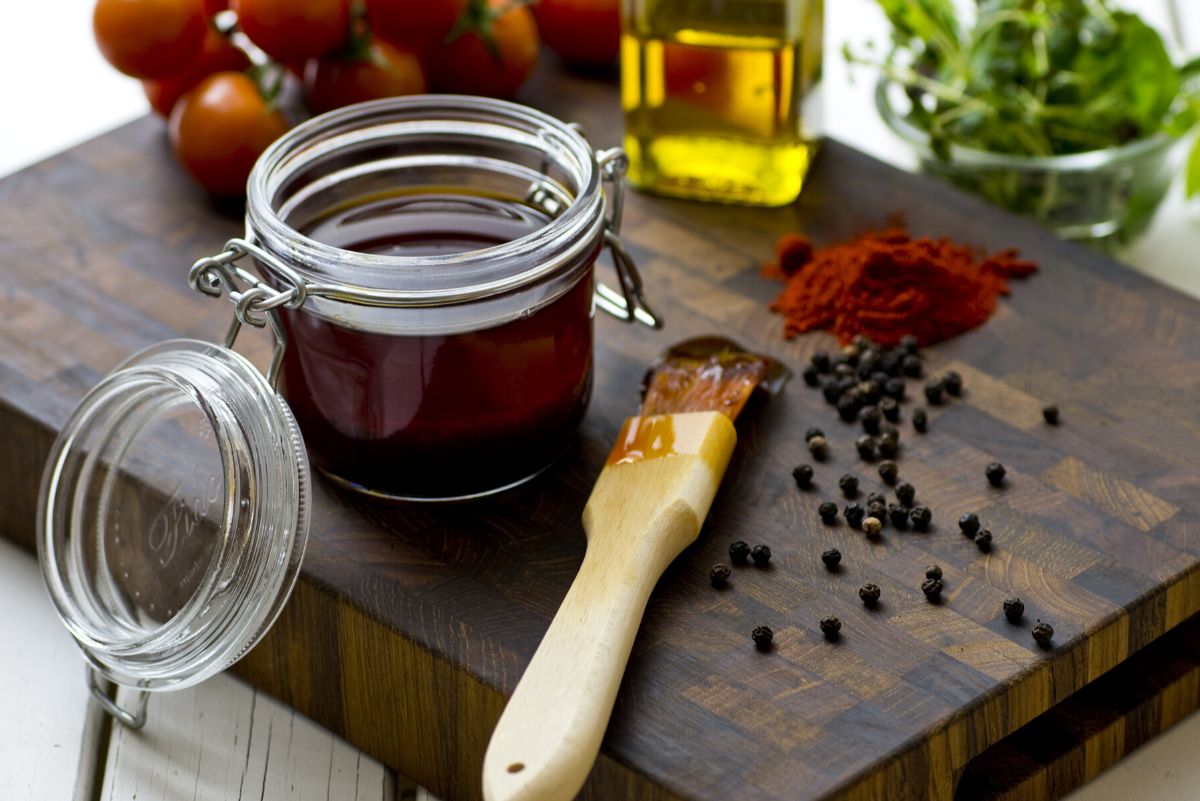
column 56, row 91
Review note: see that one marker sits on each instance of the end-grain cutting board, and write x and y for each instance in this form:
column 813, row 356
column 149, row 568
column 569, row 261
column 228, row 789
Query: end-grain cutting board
column 411, row 624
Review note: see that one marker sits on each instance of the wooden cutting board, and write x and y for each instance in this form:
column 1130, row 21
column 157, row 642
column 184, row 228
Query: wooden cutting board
column 411, row 624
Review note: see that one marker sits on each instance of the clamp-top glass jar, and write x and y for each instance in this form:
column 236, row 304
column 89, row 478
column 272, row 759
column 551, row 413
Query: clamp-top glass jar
column 432, row 258
column 426, row 266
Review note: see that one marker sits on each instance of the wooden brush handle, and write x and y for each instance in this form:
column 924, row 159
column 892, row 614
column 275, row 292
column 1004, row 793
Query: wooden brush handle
column 548, row 738
column 640, row 516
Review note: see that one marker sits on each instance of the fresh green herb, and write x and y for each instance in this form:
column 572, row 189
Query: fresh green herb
column 1041, row 78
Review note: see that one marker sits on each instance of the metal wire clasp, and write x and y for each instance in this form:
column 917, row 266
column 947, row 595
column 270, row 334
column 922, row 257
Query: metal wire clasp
column 631, row 304
column 256, row 303
column 134, row 719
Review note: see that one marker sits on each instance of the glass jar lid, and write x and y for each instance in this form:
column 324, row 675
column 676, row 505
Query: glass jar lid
column 173, row 515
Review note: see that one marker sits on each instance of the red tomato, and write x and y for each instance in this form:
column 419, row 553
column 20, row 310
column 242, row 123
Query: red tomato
column 382, row 71
column 149, row 38
column 415, row 23
column 293, row 30
column 586, row 32
column 220, row 128
column 467, row 65
column 216, row 55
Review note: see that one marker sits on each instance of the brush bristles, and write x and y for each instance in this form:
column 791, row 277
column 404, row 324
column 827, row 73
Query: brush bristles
column 721, row 383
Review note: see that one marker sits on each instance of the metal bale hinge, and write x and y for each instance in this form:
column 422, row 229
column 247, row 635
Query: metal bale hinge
column 255, row 302
column 631, row 304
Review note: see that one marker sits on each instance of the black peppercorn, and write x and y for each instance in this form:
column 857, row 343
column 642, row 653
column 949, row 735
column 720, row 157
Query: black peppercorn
column 843, row 370
column 831, row 627
column 909, row 343
column 911, row 366
column 850, row 353
column 818, row 447
column 933, row 572
column 848, row 485
column 862, row 341
column 813, row 432
column 761, row 554
column 832, row 558
column 872, row 527
column 898, row 515
column 906, row 493
column 932, row 587
column 1051, row 414
column 983, row 540
column 869, row 593
column 739, row 552
column 868, row 362
column 848, row 406
column 894, row 388
column 953, row 383
column 920, row 421
column 890, row 409
column 875, row 497
column 821, row 361
column 866, row 447
column 1014, row 609
column 762, row 636
column 803, row 474
column 891, row 361
column 921, row 517
column 1043, row 633
column 828, row 512
column 854, row 513
column 888, row 445
column 877, row 510
column 879, row 378
column 868, row 391
column 871, row 418
column 811, row 376
column 995, row 474
column 889, row 431
column 832, row 390
column 719, row 574
column 933, row 392
column 888, row 471
column 969, row 523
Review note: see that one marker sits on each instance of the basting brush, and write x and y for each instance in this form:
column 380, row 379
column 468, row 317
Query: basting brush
column 648, row 504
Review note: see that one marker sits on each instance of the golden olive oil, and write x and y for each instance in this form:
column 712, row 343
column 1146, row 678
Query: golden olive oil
column 720, row 96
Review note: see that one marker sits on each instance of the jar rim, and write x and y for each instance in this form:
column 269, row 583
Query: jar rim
column 390, row 280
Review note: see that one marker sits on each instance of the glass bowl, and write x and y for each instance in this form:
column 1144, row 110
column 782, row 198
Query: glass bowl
column 1105, row 197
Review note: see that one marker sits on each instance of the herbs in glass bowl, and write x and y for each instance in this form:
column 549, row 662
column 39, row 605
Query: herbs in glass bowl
column 1067, row 111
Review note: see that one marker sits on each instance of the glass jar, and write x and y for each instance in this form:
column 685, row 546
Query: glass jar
column 442, row 375
column 175, row 504
column 721, row 97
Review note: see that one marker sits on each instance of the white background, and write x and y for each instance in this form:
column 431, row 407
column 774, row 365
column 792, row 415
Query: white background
column 56, row 91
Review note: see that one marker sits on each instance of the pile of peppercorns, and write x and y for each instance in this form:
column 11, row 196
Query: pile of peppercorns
column 867, row 384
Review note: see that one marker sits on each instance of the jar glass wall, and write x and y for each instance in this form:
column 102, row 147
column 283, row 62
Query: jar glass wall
column 450, row 354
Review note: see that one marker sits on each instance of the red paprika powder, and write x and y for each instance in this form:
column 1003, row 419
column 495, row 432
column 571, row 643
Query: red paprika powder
column 886, row 284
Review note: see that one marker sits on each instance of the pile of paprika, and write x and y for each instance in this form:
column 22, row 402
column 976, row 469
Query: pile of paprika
column 885, row 284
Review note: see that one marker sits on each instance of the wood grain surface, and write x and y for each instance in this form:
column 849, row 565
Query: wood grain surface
column 412, row 624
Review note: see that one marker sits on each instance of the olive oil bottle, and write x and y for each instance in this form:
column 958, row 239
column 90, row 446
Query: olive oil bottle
column 721, row 97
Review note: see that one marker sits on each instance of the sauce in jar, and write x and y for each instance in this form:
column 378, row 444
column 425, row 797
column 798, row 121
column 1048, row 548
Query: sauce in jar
column 439, row 415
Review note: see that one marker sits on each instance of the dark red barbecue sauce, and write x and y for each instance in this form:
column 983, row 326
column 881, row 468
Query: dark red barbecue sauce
column 441, row 415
